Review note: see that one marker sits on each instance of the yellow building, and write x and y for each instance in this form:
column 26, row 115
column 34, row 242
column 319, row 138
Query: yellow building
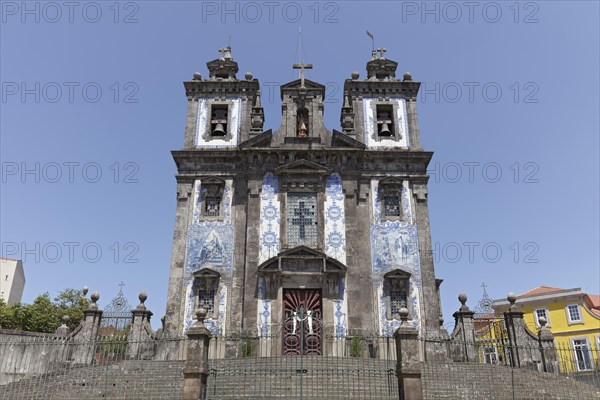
column 572, row 316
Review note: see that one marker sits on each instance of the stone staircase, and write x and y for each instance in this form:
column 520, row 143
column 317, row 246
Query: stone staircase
column 292, row 378
column 310, row 377
column 468, row 381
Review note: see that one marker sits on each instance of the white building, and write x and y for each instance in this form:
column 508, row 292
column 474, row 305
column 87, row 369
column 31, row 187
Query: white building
column 12, row 280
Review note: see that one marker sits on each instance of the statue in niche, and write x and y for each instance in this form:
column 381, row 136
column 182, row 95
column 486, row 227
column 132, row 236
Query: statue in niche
column 302, row 120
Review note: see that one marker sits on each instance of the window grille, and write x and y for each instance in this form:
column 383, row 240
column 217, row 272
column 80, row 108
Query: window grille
column 302, row 219
column 391, row 205
column 206, row 300
column 212, row 206
column 397, row 300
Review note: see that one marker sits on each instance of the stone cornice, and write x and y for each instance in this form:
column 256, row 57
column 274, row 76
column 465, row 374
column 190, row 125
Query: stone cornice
column 210, row 87
column 370, row 88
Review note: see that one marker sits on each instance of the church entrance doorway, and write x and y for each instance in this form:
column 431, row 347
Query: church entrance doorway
column 302, row 326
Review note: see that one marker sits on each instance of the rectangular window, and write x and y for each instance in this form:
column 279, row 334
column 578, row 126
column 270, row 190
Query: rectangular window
column 583, row 361
column 573, row 313
column 206, row 300
column 212, row 206
column 301, row 219
column 391, row 205
column 539, row 313
column 397, row 301
column 490, row 355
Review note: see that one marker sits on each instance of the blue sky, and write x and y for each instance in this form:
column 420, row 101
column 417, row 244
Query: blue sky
column 511, row 112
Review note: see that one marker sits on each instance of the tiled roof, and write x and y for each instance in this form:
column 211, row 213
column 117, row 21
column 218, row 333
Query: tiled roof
column 593, row 302
column 540, row 290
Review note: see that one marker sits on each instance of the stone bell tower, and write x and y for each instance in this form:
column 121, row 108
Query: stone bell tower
column 331, row 224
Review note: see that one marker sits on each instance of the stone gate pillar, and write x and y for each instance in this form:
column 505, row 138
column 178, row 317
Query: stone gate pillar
column 141, row 330
column 408, row 368
column 85, row 335
column 195, row 371
column 465, row 329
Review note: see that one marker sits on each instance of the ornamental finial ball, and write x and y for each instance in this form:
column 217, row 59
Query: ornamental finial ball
column 249, row 76
column 542, row 321
column 197, row 76
column 66, row 319
column 407, row 76
column 355, row 75
column 403, row 312
column 85, row 290
column 201, row 314
column 95, row 296
column 143, row 296
column 462, row 298
column 511, row 297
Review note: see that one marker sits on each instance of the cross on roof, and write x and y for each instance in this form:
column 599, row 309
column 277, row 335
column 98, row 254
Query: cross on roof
column 121, row 287
column 381, row 51
column 302, row 67
column 483, row 285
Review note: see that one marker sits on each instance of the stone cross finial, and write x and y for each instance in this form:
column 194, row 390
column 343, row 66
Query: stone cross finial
column 302, row 67
column 483, row 285
column 382, row 51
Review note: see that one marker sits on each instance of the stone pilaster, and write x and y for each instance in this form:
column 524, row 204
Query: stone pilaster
column 252, row 233
column 413, row 123
column 175, row 295
column 359, row 281
column 430, row 319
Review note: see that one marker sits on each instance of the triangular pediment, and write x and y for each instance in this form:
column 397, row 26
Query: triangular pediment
column 260, row 140
column 307, row 83
column 397, row 274
column 303, row 167
column 339, row 139
column 219, row 61
column 391, row 180
column 206, row 273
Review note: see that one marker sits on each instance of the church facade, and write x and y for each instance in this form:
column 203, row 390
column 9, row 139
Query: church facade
column 328, row 225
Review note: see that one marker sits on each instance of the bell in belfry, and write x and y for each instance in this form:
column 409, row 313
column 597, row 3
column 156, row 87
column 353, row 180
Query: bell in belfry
column 385, row 130
column 219, row 130
column 302, row 130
